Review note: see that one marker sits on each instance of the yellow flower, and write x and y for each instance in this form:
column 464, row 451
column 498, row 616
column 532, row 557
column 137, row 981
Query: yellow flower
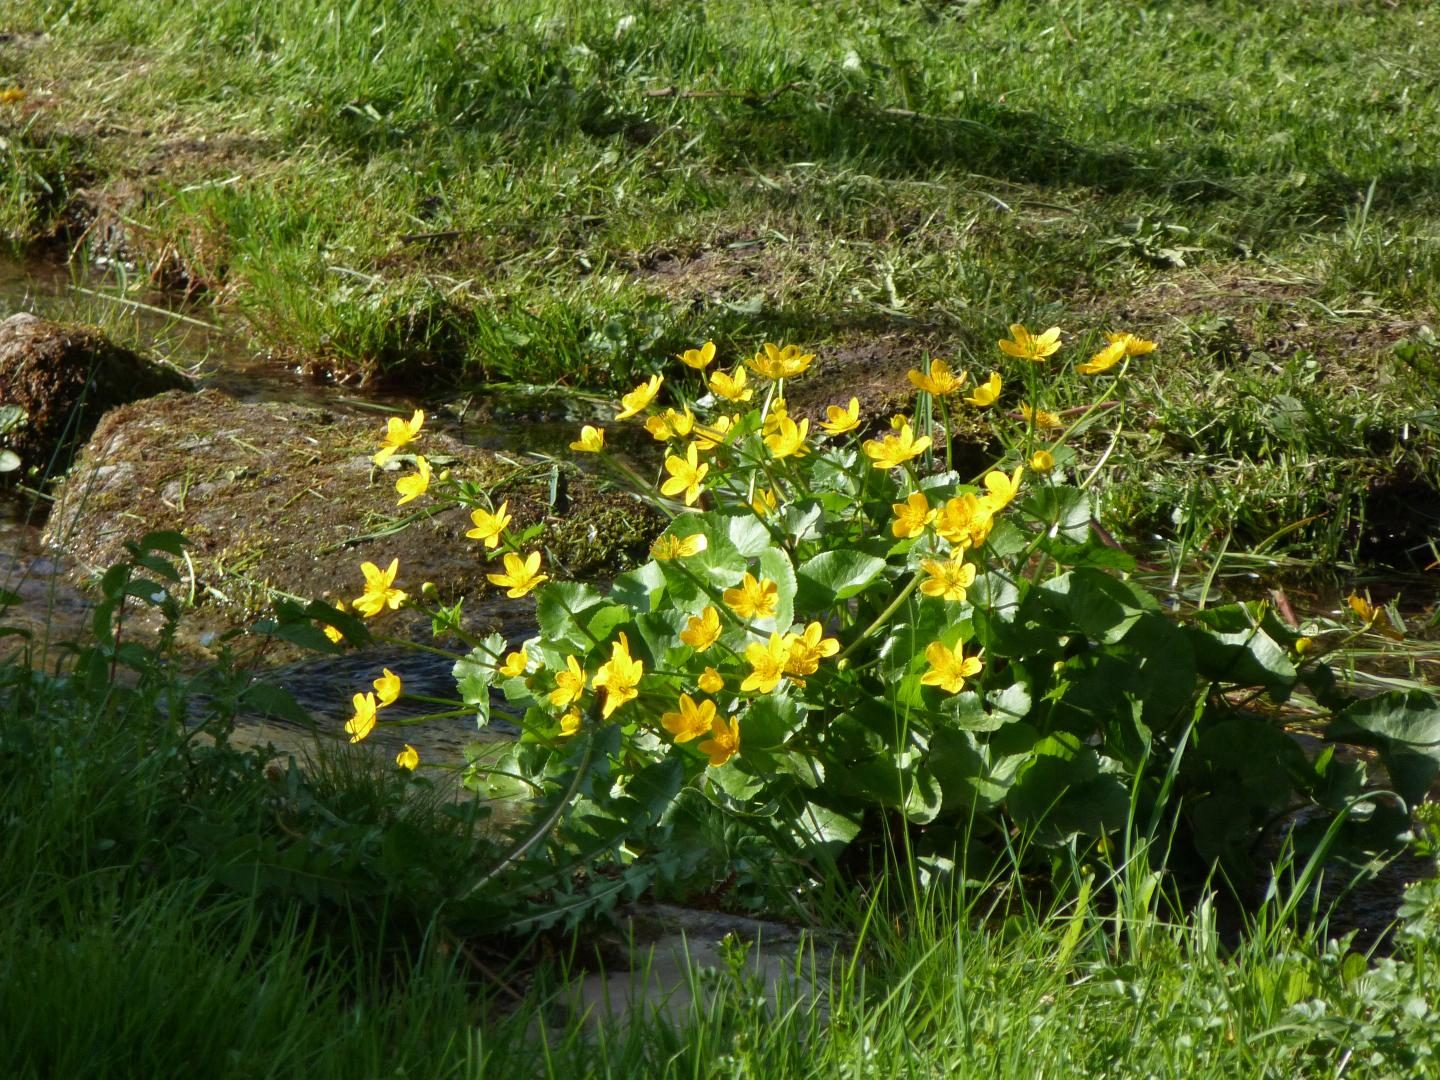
column 711, row 681
column 520, row 576
column 948, row 579
column 788, row 440
column 488, row 526
column 753, row 599
column 764, row 503
column 986, row 393
column 641, row 396
column 408, row 758
column 1103, row 360
column 1046, row 421
column 767, row 664
column 773, row 362
column 699, row 358
column 620, row 677
column 1002, row 488
column 702, row 630
column 965, row 520
column 1042, row 461
column 1304, row 646
column 911, row 516
column 515, row 665
column 807, row 649
column 363, row 722
column 671, row 425
column 949, row 668
column 11, row 95
column 569, row 684
column 1025, row 346
column 692, row 721
column 398, row 433
column 1361, row 606
column 379, row 593
column 731, row 387
column 686, row 475
column 671, row 546
column 331, row 632
column 895, row 449
column 709, row 437
column 591, row 441
column 416, row 484
column 838, row 421
column 1134, row 346
column 776, row 415
column 387, row 688
column 724, row 742
column 940, row 381
column 570, row 723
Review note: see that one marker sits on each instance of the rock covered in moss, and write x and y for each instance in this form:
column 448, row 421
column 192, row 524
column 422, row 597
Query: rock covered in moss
column 285, row 497
column 66, row 378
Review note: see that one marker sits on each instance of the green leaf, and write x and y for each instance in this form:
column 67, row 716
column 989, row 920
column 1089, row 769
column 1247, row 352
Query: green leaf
column 775, row 565
column 1104, row 607
column 1248, row 657
column 769, row 721
column 1406, row 727
column 9, row 461
column 1066, row 509
column 833, row 576
column 1061, row 790
column 558, row 607
column 641, row 589
column 978, row 774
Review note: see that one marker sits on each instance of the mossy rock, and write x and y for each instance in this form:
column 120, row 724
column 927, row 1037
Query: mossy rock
column 283, row 497
column 66, row 378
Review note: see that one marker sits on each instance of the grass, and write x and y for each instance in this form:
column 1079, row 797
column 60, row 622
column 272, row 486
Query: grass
column 158, row 962
column 550, row 192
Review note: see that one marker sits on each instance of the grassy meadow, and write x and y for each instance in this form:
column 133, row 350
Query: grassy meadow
column 440, row 197
column 569, row 194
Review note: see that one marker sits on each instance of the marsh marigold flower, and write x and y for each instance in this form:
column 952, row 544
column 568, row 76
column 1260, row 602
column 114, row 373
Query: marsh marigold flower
column 731, row 387
column 671, row 425
column 940, row 381
column 707, row 437
column 1045, row 421
column 693, row 719
column 753, row 599
column 773, row 362
column 570, row 723
column 896, row 448
column 1103, row 360
column 416, row 484
column 1026, row 346
column 807, row 649
column 788, row 439
column 409, row 758
column 1002, row 489
column 700, row 358
column 591, row 441
column 387, row 688
column 911, row 516
column 515, row 665
column 838, row 421
column 965, row 520
column 1042, row 461
column 620, row 677
column 949, row 668
column 671, row 546
column 489, row 526
column 986, row 393
column 520, row 576
column 702, row 630
column 686, row 475
column 767, row 664
column 636, row 400
column 380, row 592
column 333, row 632
column 398, row 433
column 764, row 503
column 711, row 681
column 724, row 742
column 947, row 579
column 569, row 684
column 1134, row 346
column 363, row 722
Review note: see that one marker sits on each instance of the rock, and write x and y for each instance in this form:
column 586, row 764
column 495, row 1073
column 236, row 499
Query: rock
column 66, row 378
column 284, row 497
